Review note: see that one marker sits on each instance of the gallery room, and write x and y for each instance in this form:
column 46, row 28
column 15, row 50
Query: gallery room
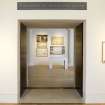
column 52, row 51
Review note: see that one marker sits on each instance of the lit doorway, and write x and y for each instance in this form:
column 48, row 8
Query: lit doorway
column 51, row 78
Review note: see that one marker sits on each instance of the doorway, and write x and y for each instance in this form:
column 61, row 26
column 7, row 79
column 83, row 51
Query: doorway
column 59, row 69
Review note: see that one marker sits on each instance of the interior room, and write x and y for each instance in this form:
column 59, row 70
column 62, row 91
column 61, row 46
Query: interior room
column 51, row 61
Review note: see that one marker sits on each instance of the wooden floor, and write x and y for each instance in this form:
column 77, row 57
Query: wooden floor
column 42, row 76
column 33, row 70
column 52, row 104
column 51, row 96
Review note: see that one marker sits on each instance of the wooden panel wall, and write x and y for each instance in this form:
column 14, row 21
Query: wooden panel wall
column 23, row 63
column 78, row 44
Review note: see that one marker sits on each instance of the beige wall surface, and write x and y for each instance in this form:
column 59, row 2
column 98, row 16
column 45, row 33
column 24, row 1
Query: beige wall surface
column 51, row 0
column 95, row 34
column 94, row 70
column 8, row 51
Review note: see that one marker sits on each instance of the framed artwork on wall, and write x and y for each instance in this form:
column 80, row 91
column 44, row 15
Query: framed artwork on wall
column 103, row 51
column 41, row 45
column 42, row 38
column 41, row 52
column 57, row 50
column 57, row 40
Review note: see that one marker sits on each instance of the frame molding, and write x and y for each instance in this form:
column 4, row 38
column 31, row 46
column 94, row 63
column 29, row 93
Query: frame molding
column 84, row 100
column 103, row 45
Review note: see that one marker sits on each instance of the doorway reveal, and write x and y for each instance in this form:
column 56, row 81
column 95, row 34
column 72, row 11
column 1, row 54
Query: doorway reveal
column 51, row 61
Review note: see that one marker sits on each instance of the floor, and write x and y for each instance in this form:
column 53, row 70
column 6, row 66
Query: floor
column 51, row 96
column 52, row 104
column 51, row 86
column 42, row 76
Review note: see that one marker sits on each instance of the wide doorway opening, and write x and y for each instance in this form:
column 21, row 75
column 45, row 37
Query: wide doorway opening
column 51, row 61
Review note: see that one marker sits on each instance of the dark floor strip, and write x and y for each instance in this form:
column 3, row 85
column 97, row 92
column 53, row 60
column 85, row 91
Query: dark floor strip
column 50, row 88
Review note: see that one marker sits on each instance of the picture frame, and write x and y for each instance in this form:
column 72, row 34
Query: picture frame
column 103, row 52
column 41, row 45
column 41, row 52
column 57, row 40
column 57, row 50
column 41, row 38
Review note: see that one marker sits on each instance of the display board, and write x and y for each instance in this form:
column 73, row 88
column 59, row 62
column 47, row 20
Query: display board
column 41, row 50
column 41, row 45
column 42, row 38
column 57, row 50
column 57, row 40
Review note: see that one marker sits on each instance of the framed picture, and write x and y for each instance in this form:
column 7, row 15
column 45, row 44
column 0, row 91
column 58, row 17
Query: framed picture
column 41, row 45
column 41, row 52
column 42, row 38
column 57, row 40
column 103, row 51
column 57, row 50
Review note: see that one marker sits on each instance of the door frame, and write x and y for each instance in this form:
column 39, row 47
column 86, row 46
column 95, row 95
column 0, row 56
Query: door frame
column 84, row 56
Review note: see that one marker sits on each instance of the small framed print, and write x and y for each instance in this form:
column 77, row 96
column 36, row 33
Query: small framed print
column 103, row 51
column 42, row 38
column 41, row 52
column 41, row 45
column 57, row 50
column 57, row 40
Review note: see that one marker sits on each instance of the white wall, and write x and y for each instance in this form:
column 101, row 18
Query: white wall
column 95, row 34
column 9, row 63
column 71, row 47
column 94, row 70
column 31, row 34
column 8, row 51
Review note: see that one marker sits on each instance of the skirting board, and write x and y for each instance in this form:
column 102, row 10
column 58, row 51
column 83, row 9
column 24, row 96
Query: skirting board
column 12, row 98
column 96, row 98
column 8, row 98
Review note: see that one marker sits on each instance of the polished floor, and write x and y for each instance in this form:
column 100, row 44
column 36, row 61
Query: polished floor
column 50, row 85
column 51, row 96
column 52, row 104
column 42, row 76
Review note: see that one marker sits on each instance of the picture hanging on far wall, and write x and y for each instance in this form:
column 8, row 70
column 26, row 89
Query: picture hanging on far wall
column 41, row 52
column 57, row 50
column 103, row 51
column 41, row 45
column 42, row 38
column 57, row 40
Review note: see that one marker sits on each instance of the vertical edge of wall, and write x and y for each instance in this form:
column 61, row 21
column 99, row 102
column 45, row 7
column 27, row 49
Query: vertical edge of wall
column 18, row 58
column 84, row 61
